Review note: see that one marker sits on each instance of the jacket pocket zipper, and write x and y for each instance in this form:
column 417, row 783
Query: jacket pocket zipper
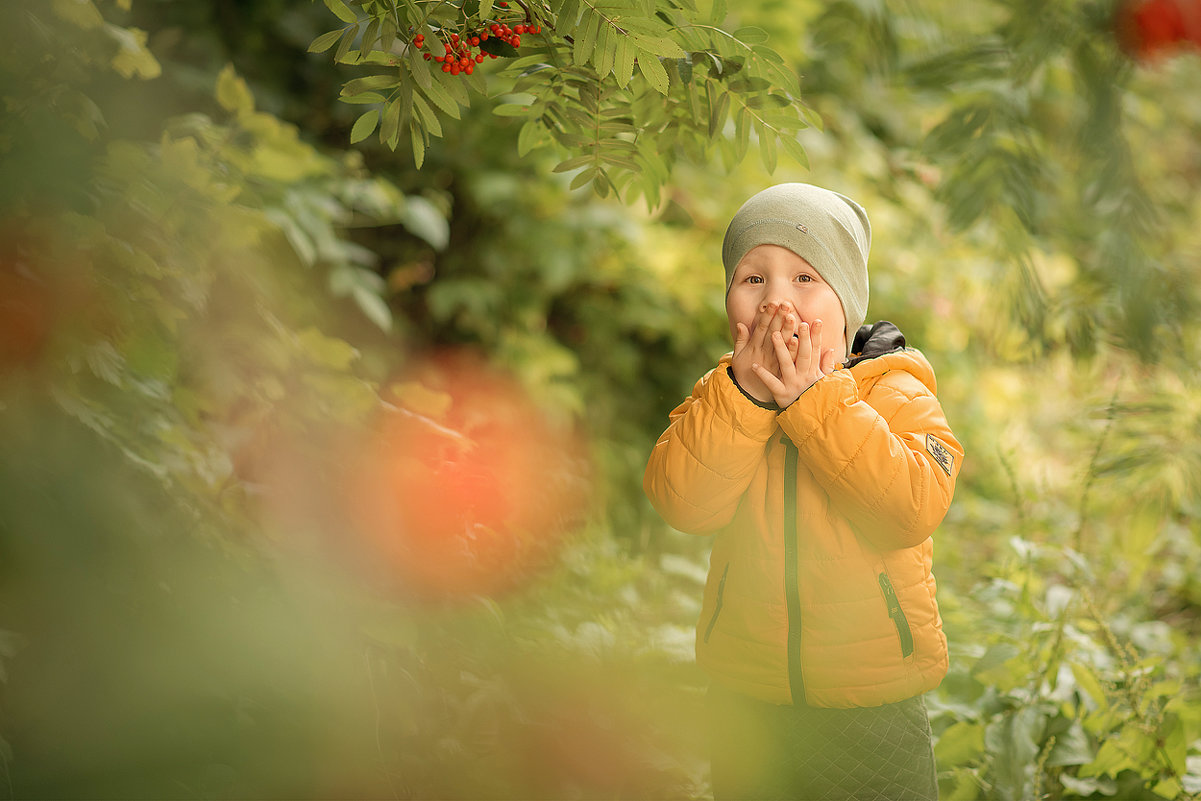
column 721, row 591
column 898, row 615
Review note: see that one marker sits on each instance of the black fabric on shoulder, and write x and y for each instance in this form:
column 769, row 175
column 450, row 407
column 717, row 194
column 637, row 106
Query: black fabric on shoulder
column 875, row 340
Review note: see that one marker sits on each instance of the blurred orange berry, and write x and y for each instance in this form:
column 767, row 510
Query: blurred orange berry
column 473, row 500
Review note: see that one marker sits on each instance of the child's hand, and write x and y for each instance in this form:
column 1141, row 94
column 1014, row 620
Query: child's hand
column 757, row 349
column 799, row 366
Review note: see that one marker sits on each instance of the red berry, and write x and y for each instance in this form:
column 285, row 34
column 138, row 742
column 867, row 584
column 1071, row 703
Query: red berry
column 516, row 41
column 495, row 28
column 446, row 68
column 438, row 58
column 483, row 36
column 470, row 68
column 426, row 56
column 454, row 37
column 455, row 69
column 479, row 59
column 475, row 41
column 537, row 29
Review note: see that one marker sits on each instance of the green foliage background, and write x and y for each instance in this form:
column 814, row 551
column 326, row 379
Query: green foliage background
column 200, row 272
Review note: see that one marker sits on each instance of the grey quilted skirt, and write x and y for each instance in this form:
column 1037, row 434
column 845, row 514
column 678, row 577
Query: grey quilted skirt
column 802, row 753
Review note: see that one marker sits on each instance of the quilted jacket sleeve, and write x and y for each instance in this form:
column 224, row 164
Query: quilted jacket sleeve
column 704, row 461
column 888, row 461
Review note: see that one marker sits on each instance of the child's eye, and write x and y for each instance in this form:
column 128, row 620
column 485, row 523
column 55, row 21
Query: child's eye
column 804, row 278
column 754, row 279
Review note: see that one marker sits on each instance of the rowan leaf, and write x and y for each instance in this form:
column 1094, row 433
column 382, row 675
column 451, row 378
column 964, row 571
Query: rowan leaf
column 586, row 36
column 364, row 126
column 390, row 122
column 325, row 41
column 623, row 65
column 417, row 138
column 341, row 10
column 441, row 98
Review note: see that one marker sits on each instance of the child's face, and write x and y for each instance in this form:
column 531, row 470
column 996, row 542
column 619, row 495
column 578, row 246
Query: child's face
column 770, row 274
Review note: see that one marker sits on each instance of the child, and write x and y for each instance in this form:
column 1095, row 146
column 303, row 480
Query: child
column 819, row 456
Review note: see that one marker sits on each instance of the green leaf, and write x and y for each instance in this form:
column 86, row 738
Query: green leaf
column 606, row 51
column 585, row 41
column 794, row 148
column 531, row 135
column 485, row 10
column 390, row 122
column 429, row 120
column 1168, row 788
column 370, row 37
column 573, row 163
column 1071, row 747
column 337, row 354
column 652, row 69
column 961, row 744
column 441, row 98
column 623, row 65
column 1088, row 681
column 584, row 177
column 719, row 106
column 364, row 126
column 422, row 219
column 325, row 41
column 767, row 148
column 344, row 44
column 511, row 110
column 232, row 92
column 419, row 68
column 417, row 137
column 364, row 98
column 717, row 12
column 659, row 45
column 373, row 306
column 369, row 83
column 341, row 10
column 751, row 35
column 569, row 13
column 684, row 70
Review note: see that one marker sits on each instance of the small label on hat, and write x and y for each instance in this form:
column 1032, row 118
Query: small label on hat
column 802, row 228
column 942, row 455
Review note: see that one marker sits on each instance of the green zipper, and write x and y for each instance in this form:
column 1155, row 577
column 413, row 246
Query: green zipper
column 898, row 615
column 792, row 590
column 721, row 591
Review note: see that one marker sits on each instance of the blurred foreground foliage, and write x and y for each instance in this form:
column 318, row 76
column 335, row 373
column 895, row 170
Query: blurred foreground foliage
column 208, row 304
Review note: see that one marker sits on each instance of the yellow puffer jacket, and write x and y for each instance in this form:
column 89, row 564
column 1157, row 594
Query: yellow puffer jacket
column 820, row 582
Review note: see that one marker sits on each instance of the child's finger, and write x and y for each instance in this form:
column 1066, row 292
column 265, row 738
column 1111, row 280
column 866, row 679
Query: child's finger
column 762, row 325
column 815, row 336
column 783, row 356
column 773, row 384
column 804, row 352
column 827, row 362
column 741, row 337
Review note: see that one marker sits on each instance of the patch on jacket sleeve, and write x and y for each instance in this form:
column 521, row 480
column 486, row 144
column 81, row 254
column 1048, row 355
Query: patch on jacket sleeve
column 941, row 453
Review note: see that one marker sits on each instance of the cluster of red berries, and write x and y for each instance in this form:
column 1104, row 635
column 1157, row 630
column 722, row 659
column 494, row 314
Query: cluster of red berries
column 459, row 58
column 1150, row 29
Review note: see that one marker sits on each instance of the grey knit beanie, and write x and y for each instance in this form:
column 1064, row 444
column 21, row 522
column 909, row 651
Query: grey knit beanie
column 826, row 229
